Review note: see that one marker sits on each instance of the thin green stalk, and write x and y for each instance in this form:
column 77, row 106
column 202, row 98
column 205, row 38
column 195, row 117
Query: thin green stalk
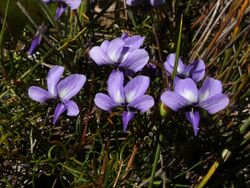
column 177, row 50
column 157, row 156
column 244, row 126
column 158, row 149
column 7, row 183
column 130, row 14
column 209, row 174
column 47, row 12
column 4, row 23
column 183, row 173
column 226, row 58
column 2, row 35
column 188, row 7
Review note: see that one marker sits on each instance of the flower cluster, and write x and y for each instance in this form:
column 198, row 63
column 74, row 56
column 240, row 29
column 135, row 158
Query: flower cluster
column 187, row 95
column 125, row 54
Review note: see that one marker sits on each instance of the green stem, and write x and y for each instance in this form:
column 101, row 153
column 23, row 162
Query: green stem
column 244, row 126
column 2, row 39
column 188, row 7
column 157, row 156
column 178, row 49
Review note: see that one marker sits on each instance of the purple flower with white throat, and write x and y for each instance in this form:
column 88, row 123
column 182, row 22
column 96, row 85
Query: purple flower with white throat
column 186, row 95
column 131, row 96
column 123, row 52
column 63, row 90
column 196, row 70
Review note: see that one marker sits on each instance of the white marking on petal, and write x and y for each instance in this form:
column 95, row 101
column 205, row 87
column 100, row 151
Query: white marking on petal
column 52, row 90
column 179, row 70
column 112, row 56
column 204, row 95
column 189, row 96
column 63, row 93
column 118, row 97
column 130, row 96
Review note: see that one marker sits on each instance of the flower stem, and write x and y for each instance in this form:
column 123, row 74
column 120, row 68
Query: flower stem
column 157, row 156
column 178, row 49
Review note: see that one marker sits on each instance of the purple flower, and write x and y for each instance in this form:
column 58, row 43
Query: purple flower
column 62, row 4
column 35, row 42
column 186, row 94
column 37, row 38
column 123, row 52
column 139, row 2
column 63, row 90
column 73, row 4
column 60, row 9
column 131, row 97
column 196, row 70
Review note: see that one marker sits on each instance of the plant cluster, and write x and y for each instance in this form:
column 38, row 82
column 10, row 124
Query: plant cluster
column 155, row 94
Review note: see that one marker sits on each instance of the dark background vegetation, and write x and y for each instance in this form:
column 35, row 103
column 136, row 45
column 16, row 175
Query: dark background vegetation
column 91, row 150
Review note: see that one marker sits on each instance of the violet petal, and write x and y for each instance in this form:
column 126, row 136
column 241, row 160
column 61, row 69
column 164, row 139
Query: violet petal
column 35, row 42
column 174, row 101
column 53, row 78
column 142, row 103
column 135, row 41
column 59, row 11
column 105, row 45
column 186, row 88
column 195, row 70
column 215, row 103
column 60, row 108
column 72, row 108
column 38, row 94
column 157, row 2
column 136, row 87
column 135, row 60
column 126, row 118
column 169, row 64
column 209, row 88
column 70, row 86
column 115, row 49
column 73, row 4
column 194, row 118
column 105, row 102
column 98, row 55
column 115, row 86
column 135, row 2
